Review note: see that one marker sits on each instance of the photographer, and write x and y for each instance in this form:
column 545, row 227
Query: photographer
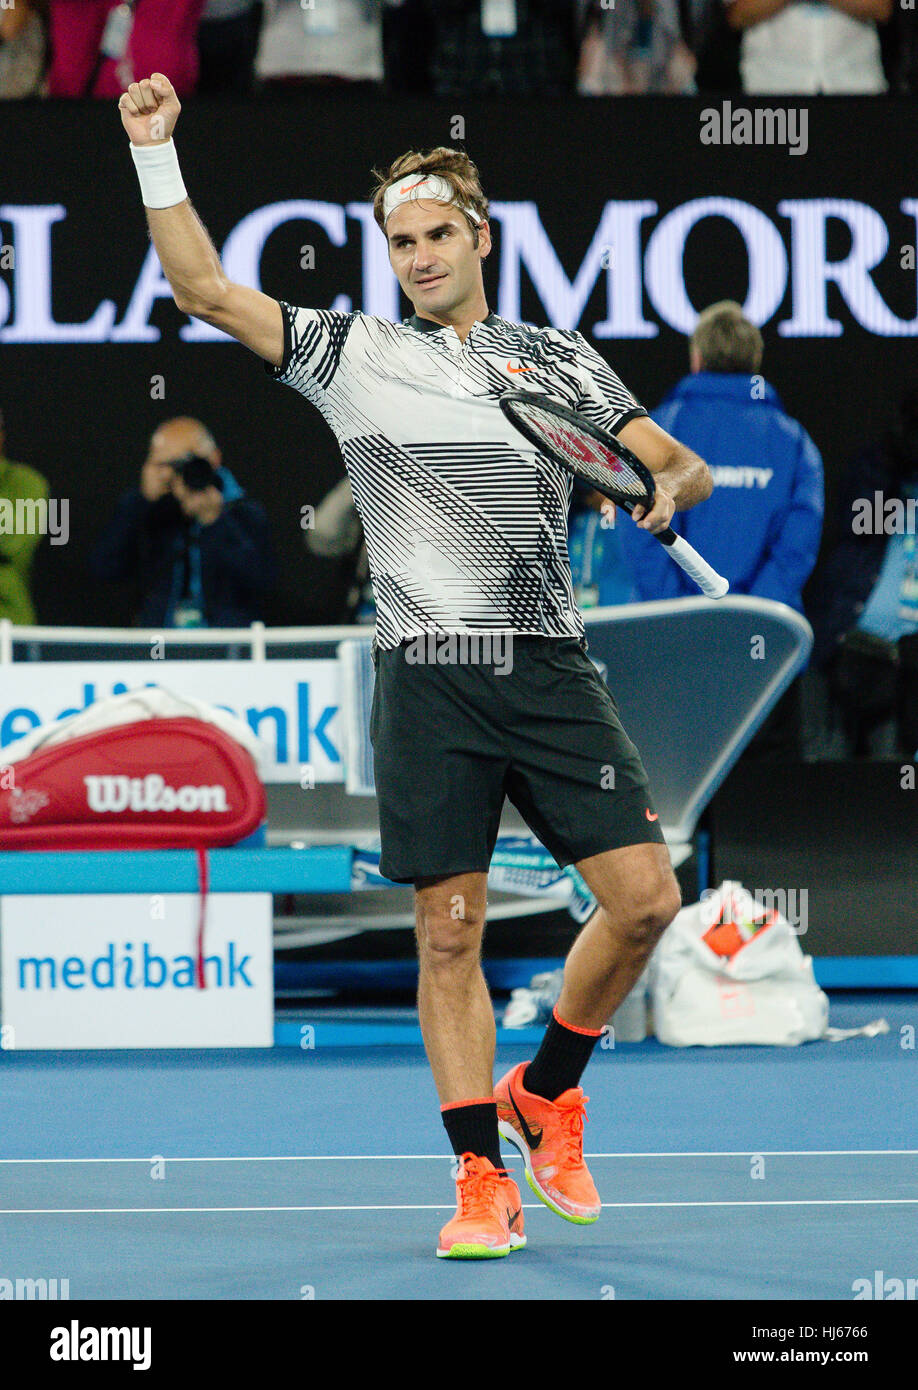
column 194, row 544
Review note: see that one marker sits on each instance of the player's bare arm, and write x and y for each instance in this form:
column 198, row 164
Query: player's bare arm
column 682, row 478
column 149, row 111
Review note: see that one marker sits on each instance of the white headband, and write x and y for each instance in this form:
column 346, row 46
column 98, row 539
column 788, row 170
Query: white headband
column 411, row 187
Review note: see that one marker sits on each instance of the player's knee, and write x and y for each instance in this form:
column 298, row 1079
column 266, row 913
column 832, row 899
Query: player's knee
column 653, row 916
column 446, row 941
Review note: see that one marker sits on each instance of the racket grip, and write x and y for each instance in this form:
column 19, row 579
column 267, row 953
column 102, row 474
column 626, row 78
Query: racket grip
column 685, row 555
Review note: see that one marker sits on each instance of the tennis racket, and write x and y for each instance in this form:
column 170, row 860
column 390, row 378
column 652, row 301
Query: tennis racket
column 597, row 458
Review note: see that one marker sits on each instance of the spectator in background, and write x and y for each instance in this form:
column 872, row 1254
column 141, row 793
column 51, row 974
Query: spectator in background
column 500, row 47
column 762, row 524
column 408, row 30
column 601, row 575
column 18, row 483
column 714, row 43
column 637, row 46
column 227, row 44
column 101, row 46
column 865, row 612
column 337, row 534
column 899, row 40
column 23, row 49
column 197, row 548
column 332, row 41
column 795, row 47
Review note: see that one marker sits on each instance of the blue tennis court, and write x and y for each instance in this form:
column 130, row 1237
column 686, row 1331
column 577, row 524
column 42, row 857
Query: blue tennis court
column 737, row 1173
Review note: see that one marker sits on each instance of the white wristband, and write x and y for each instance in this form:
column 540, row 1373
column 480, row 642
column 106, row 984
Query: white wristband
column 160, row 177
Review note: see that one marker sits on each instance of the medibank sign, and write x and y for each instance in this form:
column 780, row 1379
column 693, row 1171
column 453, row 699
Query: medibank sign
column 118, row 970
column 292, row 706
column 123, row 965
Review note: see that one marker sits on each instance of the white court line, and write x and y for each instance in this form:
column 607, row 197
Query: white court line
column 443, row 1206
column 402, row 1158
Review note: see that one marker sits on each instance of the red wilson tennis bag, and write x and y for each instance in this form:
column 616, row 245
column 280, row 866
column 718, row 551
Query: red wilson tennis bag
column 160, row 783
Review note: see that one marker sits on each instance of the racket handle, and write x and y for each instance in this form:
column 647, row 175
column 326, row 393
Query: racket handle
column 685, row 555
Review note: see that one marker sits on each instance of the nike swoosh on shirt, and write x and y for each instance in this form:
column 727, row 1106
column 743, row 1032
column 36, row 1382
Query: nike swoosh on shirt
column 518, row 369
column 528, row 1135
column 655, row 816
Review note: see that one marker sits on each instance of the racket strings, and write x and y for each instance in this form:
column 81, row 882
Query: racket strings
column 592, row 460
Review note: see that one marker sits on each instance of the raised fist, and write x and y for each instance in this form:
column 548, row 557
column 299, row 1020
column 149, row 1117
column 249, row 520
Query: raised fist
column 149, row 110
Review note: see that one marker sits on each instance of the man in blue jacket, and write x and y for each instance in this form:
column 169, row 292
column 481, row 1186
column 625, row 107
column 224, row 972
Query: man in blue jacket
column 196, row 547
column 762, row 524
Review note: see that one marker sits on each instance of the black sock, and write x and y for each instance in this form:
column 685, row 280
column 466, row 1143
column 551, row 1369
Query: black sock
column 472, row 1128
column 561, row 1060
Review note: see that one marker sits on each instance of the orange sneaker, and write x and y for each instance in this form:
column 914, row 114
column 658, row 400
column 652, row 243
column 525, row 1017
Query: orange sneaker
column 489, row 1213
column 549, row 1135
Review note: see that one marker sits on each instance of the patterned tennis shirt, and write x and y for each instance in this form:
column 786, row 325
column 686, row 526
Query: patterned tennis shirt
column 465, row 522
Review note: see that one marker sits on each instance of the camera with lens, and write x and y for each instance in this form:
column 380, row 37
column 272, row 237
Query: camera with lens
column 197, row 473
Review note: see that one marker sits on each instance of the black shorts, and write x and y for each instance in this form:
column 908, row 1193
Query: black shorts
column 452, row 739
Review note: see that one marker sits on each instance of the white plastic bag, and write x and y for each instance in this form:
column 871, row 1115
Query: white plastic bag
column 765, row 993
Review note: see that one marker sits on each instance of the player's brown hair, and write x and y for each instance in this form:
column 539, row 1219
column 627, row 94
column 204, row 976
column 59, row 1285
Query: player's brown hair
column 726, row 340
column 453, row 165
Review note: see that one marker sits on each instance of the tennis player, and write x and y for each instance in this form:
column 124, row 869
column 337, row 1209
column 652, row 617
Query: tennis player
column 483, row 686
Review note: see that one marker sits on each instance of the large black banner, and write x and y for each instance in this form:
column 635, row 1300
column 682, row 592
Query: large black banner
column 621, row 218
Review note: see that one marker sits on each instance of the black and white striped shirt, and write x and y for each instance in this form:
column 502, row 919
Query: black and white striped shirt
column 465, row 523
